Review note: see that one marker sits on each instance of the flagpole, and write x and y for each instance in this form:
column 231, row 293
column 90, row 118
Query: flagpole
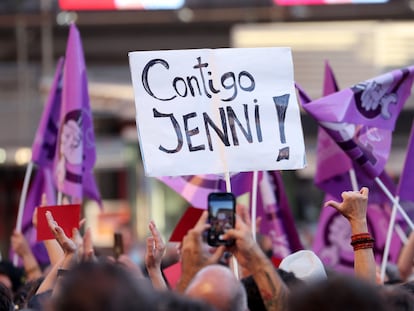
column 394, row 201
column 22, row 203
column 233, row 258
column 401, row 234
column 353, row 178
column 59, row 198
column 388, row 240
column 254, row 203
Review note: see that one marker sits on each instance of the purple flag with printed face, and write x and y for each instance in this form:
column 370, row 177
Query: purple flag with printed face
column 196, row 188
column 277, row 220
column 376, row 102
column 42, row 183
column 406, row 182
column 334, row 165
column 76, row 142
column 366, row 145
column 44, row 144
column 333, row 234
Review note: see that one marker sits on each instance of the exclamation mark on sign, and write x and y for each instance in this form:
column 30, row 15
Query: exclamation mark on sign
column 281, row 103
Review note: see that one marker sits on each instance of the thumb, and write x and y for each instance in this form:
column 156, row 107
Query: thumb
column 332, row 203
column 215, row 257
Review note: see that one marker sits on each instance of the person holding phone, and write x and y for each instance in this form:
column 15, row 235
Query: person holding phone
column 272, row 289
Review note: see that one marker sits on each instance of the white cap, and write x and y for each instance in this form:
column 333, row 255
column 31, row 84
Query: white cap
column 305, row 265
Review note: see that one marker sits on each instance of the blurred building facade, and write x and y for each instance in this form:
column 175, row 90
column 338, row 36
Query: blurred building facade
column 360, row 41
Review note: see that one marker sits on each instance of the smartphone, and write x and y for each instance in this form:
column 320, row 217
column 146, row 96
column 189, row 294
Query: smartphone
column 221, row 217
column 118, row 245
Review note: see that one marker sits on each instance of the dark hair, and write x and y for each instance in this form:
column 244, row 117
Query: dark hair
column 15, row 274
column 103, row 286
column 289, row 278
column 398, row 297
column 338, row 293
column 254, row 300
column 6, row 298
column 26, row 292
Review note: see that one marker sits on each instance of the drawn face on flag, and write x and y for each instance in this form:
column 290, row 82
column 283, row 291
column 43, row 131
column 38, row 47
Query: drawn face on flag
column 71, row 137
column 70, row 144
column 374, row 97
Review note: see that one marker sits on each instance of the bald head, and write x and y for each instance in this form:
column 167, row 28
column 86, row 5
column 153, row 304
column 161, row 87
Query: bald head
column 218, row 286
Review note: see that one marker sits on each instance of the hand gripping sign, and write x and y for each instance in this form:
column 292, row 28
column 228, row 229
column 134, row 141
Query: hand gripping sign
column 214, row 111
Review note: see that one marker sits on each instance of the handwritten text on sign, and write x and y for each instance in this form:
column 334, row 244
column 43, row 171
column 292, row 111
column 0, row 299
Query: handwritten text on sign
column 215, row 111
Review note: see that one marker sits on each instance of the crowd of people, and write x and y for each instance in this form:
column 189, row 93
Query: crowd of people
column 239, row 277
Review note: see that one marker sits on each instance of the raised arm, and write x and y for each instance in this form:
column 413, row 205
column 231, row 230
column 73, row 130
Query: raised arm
column 406, row 258
column 354, row 208
column 272, row 289
column 22, row 248
column 153, row 257
column 194, row 253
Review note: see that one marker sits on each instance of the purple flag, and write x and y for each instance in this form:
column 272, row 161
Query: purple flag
column 333, row 164
column 76, row 142
column 44, row 144
column 333, row 234
column 277, row 220
column 376, row 102
column 406, row 182
column 196, row 188
column 330, row 85
column 366, row 145
column 42, row 183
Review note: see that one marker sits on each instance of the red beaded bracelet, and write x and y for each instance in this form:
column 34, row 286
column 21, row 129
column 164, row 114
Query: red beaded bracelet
column 363, row 246
column 362, row 241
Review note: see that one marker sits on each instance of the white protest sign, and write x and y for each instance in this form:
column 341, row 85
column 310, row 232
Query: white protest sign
column 216, row 111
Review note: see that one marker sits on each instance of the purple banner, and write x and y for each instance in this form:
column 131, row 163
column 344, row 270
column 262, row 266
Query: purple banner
column 277, row 219
column 76, row 143
column 44, row 144
column 41, row 183
column 406, row 182
column 376, row 102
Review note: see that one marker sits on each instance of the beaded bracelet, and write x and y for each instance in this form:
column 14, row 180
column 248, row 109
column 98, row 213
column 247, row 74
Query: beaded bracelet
column 362, row 241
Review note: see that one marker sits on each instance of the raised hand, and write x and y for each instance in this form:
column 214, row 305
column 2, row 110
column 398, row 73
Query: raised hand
column 155, row 248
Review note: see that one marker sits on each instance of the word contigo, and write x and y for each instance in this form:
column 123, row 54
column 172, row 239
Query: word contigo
column 203, row 85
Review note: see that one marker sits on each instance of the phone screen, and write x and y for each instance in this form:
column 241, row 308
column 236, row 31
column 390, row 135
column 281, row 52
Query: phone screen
column 221, row 210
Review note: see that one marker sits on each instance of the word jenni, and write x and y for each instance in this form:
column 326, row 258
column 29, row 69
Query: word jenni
column 228, row 119
column 198, row 86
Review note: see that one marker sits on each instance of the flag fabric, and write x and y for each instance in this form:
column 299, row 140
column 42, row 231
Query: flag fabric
column 196, row 188
column 44, row 144
column 361, row 125
column 277, row 220
column 376, row 102
column 75, row 150
column 333, row 164
column 406, row 182
column 330, row 85
column 331, row 241
column 333, row 234
column 367, row 144
column 41, row 183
